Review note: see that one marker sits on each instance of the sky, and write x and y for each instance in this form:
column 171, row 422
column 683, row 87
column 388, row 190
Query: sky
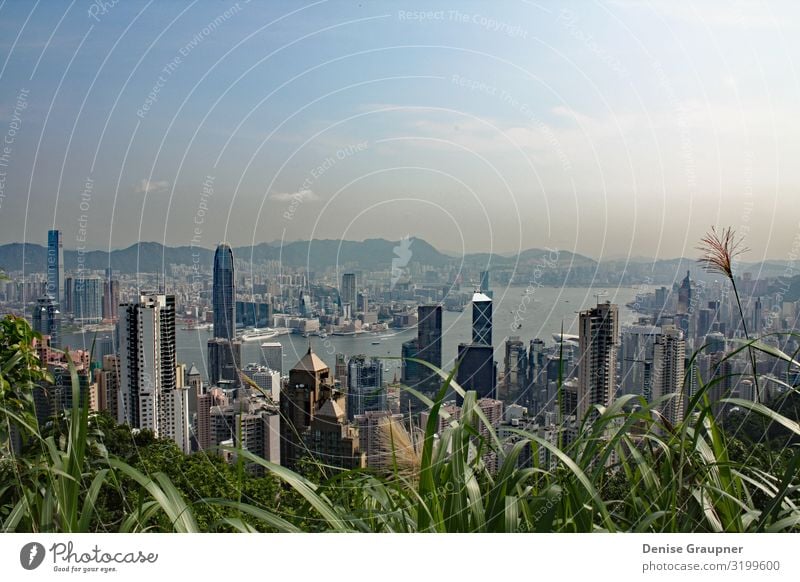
column 620, row 128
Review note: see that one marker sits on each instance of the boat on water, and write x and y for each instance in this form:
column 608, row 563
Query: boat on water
column 376, row 343
column 261, row 334
column 197, row 326
column 344, row 333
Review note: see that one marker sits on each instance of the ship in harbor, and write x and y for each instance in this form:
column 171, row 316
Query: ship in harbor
column 190, row 326
column 262, row 334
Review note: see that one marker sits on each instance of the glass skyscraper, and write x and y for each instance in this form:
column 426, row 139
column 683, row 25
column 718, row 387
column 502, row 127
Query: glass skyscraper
column 429, row 344
column 481, row 319
column 224, row 293
column 55, row 265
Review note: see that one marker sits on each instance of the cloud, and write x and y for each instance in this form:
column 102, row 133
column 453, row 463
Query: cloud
column 152, row 186
column 301, row 196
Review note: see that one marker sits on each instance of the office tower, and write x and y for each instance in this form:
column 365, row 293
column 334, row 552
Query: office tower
column 637, row 358
column 685, row 295
column 669, row 352
column 372, row 438
column 87, row 299
column 515, row 369
column 55, row 265
column 484, row 287
column 309, row 381
column 273, row 355
column 661, row 298
column 599, row 330
column 46, row 319
column 537, row 376
column 365, row 389
column 429, row 345
column 224, row 362
column 304, row 303
column 756, row 323
column 66, row 303
column 476, row 369
column 481, row 319
column 110, row 297
column 410, row 372
column 151, row 396
column 224, row 293
column 347, row 293
column 705, row 320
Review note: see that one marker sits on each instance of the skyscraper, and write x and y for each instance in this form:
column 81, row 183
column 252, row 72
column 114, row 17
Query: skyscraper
column 429, row 345
column 637, row 358
column 224, row 293
column 46, row 319
column 481, row 319
column 110, row 297
column 87, row 299
column 151, row 396
column 515, row 377
column 599, row 330
column 476, row 369
column 273, row 355
column 55, row 265
column 365, row 389
column 348, row 291
column 224, row 362
column 685, row 295
column 755, row 327
column 669, row 352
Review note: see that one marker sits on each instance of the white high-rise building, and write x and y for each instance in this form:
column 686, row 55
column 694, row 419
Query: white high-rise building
column 267, row 379
column 669, row 353
column 273, row 355
column 151, row 395
column 597, row 361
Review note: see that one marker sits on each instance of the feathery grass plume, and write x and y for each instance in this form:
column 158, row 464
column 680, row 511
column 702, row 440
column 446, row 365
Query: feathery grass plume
column 398, row 448
column 719, row 252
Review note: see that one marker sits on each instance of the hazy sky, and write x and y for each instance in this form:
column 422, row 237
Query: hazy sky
column 609, row 128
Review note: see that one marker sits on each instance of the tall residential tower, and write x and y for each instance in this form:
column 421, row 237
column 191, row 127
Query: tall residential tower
column 599, row 330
